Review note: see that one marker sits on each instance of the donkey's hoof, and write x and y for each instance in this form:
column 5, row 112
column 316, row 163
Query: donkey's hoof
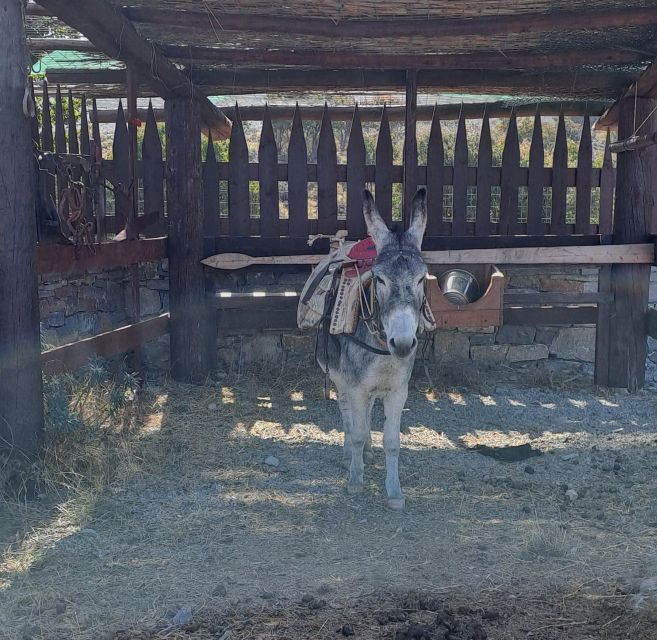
column 354, row 489
column 397, row 504
column 368, row 457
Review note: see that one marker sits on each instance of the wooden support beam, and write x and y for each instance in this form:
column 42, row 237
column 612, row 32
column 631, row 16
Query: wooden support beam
column 628, row 254
column 71, row 356
column 59, row 258
column 424, row 113
column 197, row 55
column 409, row 184
column 644, row 86
column 566, row 84
column 192, row 342
column 61, row 44
column 114, row 34
column 21, row 392
column 387, row 28
column 624, row 328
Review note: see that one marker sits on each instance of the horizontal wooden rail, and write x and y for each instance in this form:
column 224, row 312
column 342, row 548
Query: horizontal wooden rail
column 279, row 311
column 58, row 258
column 70, row 356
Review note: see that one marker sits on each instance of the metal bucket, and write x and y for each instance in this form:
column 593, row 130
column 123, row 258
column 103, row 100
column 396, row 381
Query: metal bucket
column 459, row 287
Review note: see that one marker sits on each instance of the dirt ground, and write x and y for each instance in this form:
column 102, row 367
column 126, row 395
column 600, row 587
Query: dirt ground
column 229, row 499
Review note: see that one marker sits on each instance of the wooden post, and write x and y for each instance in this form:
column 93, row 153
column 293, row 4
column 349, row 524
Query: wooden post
column 21, row 392
column 131, row 234
column 621, row 338
column 410, row 145
column 192, row 342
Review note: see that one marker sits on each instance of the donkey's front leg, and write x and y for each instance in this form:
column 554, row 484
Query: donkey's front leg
column 359, row 428
column 393, row 405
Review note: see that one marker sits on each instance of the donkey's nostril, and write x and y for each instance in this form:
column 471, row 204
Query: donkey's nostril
column 414, row 343
column 392, row 342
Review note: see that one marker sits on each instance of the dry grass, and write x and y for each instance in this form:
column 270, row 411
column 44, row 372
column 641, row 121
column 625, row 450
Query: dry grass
column 174, row 506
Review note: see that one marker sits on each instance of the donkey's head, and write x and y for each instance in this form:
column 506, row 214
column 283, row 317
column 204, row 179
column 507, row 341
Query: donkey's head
column 398, row 274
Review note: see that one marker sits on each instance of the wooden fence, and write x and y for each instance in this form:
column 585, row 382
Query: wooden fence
column 271, row 199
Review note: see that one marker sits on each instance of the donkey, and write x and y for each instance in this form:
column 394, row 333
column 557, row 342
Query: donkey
column 378, row 364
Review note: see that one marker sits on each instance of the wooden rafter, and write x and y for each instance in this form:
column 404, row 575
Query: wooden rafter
column 393, row 27
column 645, row 86
column 110, row 31
column 352, row 60
column 589, row 84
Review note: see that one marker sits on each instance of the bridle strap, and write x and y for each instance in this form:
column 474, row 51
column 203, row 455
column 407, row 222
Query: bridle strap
column 364, row 345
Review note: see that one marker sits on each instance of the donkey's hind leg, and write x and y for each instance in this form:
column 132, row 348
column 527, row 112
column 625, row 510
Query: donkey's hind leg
column 368, row 456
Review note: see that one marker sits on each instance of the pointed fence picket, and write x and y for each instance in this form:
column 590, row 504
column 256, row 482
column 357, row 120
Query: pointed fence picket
column 465, row 197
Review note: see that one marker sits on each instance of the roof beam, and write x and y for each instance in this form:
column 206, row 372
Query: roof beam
column 352, row 60
column 586, row 85
column 114, row 34
column 425, row 113
column 61, row 44
column 397, row 28
column 645, row 86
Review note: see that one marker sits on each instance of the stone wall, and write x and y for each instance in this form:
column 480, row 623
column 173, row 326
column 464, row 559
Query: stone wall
column 76, row 307
column 80, row 306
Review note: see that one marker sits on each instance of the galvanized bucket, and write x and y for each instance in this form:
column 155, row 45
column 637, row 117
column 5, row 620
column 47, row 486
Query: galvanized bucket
column 459, row 287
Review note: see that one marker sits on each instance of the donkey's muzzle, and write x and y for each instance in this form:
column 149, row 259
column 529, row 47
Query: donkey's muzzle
column 403, row 346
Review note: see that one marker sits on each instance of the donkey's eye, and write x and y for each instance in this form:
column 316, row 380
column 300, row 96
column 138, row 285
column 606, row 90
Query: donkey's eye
column 421, row 280
column 379, row 280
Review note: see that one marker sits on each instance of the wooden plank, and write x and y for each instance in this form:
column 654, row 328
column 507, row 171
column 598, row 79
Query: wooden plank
column 120, row 151
column 510, row 180
column 85, row 146
column 211, row 202
column 435, row 180
column 605, row 254
column 603, row 328
column 483, row 226
column 520, row 22
column 268, row 179
column 410, row 148
column 108, row 255
column 21, row 391
column 115, row 35
column 630, row 283
column 584, row 165
column 73, row 145
column 535, row 182
column 238, row 180
column 327, row 176
column 297, row 180
column 607, row 184
column 355, row 179
column 341, row 59
column 549, row 316
column 193, row 337
column 569, row 298
column 460, row 180
column 60, row 143
column 99, row 191
column 47, row 183
column 559, row 169
column 384, row 161
column 152, row 173
column 71, row 356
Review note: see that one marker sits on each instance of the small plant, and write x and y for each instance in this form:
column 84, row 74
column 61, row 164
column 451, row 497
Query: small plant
column 547, row 541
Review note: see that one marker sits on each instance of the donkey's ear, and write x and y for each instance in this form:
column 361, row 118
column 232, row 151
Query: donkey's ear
column 415, row 231
column 375, row 225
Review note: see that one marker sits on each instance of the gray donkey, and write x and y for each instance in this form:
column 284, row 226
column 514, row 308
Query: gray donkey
column 377, row 363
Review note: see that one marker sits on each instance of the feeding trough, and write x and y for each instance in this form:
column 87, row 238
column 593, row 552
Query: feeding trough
column 455, row 300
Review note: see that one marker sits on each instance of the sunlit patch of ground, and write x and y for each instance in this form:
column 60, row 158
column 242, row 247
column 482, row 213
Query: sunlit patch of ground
column 195, row 516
